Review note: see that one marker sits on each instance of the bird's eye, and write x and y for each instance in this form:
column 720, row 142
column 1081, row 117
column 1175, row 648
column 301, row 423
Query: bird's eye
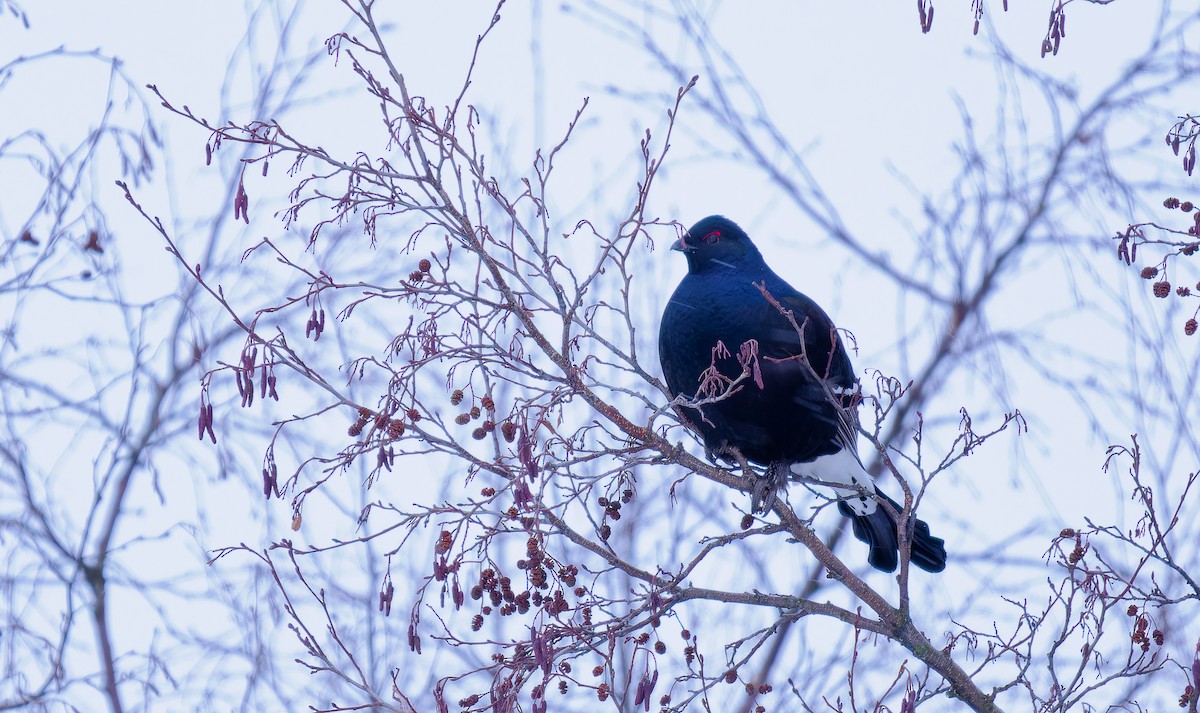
column 713, row 237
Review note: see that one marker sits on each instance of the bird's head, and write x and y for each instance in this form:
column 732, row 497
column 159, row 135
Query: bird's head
column 717, row 243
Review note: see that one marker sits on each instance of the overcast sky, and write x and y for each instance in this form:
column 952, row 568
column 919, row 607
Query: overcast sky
column 875, row 105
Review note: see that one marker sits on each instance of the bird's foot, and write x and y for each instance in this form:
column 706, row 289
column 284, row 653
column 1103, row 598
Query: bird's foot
column 766, row 486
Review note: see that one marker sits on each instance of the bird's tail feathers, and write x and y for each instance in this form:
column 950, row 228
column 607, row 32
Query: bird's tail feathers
column 878, row 530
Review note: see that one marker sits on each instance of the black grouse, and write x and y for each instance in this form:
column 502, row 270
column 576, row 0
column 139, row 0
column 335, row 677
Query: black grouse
column 761, row 393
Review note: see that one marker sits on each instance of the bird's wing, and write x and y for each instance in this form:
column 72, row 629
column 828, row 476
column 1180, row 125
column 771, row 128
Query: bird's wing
column 801, row 348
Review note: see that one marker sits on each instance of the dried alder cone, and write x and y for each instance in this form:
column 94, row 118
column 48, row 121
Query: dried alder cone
column 1185, row 245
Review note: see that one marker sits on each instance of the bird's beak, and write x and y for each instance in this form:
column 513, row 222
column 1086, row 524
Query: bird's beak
column 682, row 246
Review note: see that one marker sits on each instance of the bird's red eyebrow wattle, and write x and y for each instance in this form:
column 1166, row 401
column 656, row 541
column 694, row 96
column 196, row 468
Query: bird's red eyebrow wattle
column 713, row 237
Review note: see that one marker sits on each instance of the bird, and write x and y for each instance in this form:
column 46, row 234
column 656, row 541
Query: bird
column 761, row 373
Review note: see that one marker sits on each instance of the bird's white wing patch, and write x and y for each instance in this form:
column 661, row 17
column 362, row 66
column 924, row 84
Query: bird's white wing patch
column 842, row 468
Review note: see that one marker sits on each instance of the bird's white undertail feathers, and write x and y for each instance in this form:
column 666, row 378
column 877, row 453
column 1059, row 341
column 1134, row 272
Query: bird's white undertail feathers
column 842, row 468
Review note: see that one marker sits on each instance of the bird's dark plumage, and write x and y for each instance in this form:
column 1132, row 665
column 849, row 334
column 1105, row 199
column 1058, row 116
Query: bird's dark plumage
column 771, row 395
